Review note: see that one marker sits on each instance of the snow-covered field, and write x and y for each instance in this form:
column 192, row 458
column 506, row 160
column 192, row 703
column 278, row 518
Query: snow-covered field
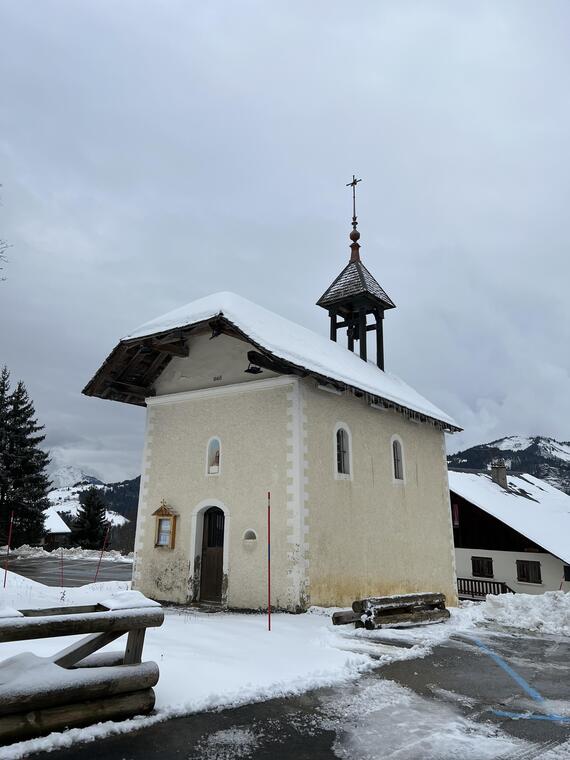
column 66, row 499
column 227, row 659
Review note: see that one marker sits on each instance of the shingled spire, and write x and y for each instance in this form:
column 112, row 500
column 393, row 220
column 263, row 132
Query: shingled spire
column 354, row 295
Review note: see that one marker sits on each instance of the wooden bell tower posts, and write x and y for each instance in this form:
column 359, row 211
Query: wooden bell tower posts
column 355, row 297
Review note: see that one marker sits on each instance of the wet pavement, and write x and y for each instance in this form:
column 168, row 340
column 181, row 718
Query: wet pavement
column 456, row 702
column 76, row 572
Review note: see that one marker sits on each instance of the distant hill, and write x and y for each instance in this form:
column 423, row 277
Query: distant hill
column 123, row 497
column 538, row 455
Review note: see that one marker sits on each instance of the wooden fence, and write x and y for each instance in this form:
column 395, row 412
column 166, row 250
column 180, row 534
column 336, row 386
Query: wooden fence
column 76, row 686
column 472, row 588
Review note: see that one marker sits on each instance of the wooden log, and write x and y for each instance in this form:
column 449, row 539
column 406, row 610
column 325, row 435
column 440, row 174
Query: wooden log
column 83, row 648
column 134, row 648
column 100, row 660
column 343, row 617
column 406, row 619
column 26, row 725
column 72, row 686
column 20, row 629
column 401, row 600
column 80, row 610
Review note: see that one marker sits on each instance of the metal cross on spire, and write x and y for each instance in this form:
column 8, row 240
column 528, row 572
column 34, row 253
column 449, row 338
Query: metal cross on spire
column 353, row 185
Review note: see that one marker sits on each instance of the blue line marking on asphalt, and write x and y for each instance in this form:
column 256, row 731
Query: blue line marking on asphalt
column 530, row 716
column 533, row 693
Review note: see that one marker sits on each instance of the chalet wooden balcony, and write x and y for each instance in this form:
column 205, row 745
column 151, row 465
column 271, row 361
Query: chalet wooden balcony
column 478, row 588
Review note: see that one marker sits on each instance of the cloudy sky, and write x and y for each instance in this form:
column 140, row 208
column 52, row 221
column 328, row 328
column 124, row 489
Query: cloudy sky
column 154, row 152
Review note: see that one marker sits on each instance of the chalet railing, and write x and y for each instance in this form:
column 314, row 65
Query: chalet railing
column 474, row 588
column 77, row 685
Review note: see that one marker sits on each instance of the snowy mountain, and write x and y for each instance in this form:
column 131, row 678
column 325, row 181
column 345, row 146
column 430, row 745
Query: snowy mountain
column 538, row 455
column 68, row 475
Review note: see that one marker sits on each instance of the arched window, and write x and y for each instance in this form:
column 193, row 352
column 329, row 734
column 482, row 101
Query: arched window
column 342, row 452
column 214, row 456
column 398, row 459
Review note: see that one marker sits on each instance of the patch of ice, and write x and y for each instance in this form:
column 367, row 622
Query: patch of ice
column 384, row 719
column 228, row 744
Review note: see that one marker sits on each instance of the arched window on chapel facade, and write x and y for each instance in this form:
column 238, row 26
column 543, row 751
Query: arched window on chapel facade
column 398, row 459
column 342, row 453
column 214, row 457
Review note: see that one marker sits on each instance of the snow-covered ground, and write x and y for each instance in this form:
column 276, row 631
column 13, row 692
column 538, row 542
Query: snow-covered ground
column 227, row 659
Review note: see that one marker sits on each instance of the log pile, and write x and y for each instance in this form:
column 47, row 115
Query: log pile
column 394, row 611
column 76, row 686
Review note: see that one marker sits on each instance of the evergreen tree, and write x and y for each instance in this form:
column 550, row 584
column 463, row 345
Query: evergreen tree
column 23, row 480
column 90, row 525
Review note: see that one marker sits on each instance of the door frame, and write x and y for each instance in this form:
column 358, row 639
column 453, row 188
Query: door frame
column 196, row 535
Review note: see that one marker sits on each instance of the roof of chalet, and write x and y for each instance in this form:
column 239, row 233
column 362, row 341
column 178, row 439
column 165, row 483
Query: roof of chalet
column 135, row 363
column 355, row 280
column 531, row 506
column 54, row 523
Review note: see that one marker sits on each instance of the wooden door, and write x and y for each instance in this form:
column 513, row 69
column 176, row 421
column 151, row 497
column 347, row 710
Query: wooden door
column 212, row 571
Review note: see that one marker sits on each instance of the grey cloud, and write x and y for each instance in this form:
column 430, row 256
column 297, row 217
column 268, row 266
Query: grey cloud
column 151, row 153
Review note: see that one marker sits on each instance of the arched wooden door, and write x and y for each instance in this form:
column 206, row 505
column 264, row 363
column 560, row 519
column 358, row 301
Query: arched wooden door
column 212, row 568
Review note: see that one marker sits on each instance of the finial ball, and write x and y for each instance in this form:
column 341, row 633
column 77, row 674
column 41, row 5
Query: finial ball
column 355, row 235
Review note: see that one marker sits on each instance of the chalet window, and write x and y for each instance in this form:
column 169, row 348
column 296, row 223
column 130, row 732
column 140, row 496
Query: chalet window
column 213, row 463
column 528, row 571
column 165, row 530
column 567, row 572
column 397, row 459
column 482, row 567
column 342, row 452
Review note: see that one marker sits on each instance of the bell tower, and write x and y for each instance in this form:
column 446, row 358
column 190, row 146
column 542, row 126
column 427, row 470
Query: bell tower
column 355, row 300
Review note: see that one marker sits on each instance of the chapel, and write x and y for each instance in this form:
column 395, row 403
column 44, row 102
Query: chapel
column 241, row 402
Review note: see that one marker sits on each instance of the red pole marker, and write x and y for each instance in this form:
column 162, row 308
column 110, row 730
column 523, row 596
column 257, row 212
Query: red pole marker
column 8, row 548
column 101, row 555
column 269, row 560
column 61, row 565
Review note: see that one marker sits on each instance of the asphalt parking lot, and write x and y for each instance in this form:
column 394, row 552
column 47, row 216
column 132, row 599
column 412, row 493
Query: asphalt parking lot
column 501, row 695
column 76, row 572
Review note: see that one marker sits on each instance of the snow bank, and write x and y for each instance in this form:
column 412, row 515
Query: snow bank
column 547, row 613
column 35, row 552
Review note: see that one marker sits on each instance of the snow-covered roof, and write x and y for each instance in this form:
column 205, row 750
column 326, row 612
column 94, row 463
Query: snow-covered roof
column 530, row 506
column 296, row 344
column 54, row 523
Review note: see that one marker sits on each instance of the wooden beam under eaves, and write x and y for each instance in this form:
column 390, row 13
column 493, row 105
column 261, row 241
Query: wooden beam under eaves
column 135, row 390
column 178, row 348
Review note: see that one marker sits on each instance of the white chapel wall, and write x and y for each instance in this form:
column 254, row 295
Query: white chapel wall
column 212, row 362
column 254, row 425
column 369, row 534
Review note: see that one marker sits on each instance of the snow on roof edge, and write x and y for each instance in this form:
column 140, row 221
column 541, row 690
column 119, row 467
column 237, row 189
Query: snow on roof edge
column 284, row 339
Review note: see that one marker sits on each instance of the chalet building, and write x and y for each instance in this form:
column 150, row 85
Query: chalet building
column 241, row 402
column 511, row 532
column 57, row 532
